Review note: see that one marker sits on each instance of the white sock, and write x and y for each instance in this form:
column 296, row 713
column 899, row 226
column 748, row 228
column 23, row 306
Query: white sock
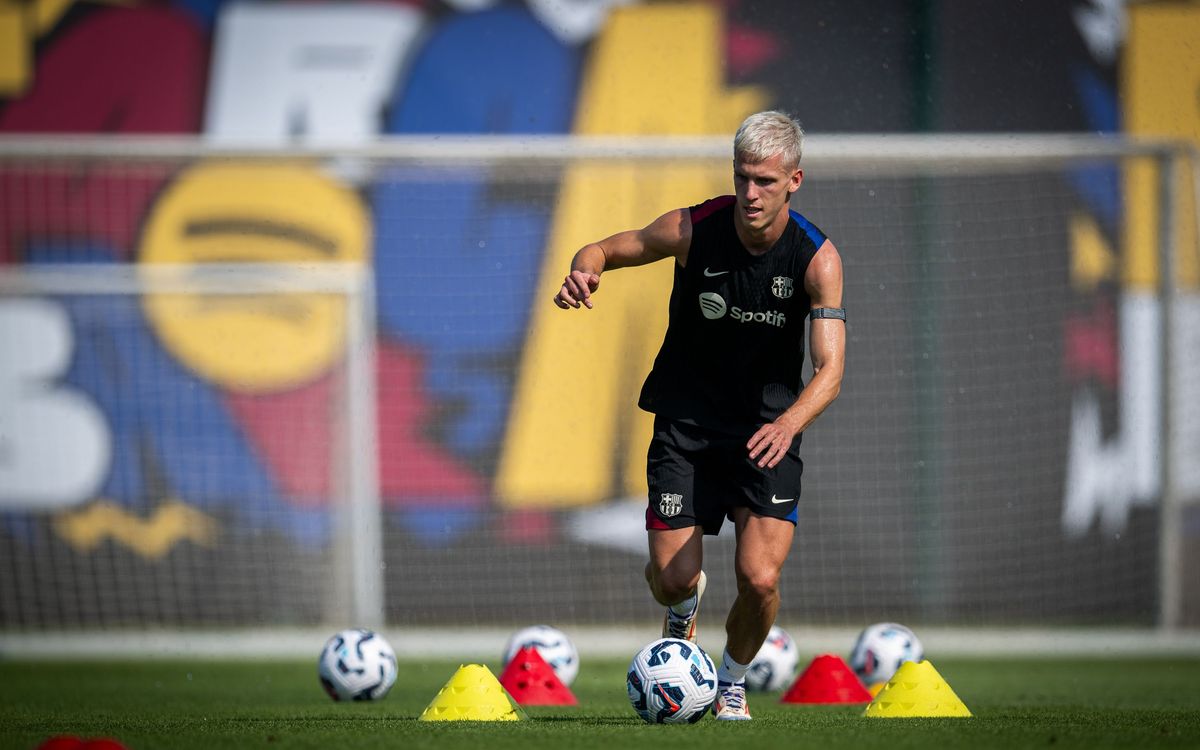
column 731, row 671
column 686, row 607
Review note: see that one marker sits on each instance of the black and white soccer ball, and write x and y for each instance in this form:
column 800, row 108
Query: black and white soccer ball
column 775, row 664
column 357, row 665
column 881, row 649
column 552, row 645
column 671, row 681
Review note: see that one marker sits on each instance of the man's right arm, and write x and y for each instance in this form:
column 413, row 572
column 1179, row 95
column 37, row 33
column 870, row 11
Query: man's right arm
column 669, row 235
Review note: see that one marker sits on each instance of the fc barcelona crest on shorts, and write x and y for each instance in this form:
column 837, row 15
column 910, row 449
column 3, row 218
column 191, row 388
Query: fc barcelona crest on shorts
column 670, row 504
column 781, row 287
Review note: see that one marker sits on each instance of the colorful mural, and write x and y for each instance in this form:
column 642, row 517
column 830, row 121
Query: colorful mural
column 243, row 384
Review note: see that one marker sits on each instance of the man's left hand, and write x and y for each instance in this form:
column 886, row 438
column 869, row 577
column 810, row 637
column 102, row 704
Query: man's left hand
column 772, row 441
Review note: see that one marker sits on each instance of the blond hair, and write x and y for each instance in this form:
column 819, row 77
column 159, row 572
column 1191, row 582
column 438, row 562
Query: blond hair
column 764, row 134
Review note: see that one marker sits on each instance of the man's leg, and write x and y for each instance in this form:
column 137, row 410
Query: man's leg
column 763, row 544
column 675, row 577
column 762, row 548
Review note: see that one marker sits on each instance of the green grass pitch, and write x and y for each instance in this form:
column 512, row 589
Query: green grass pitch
column 1100, row 703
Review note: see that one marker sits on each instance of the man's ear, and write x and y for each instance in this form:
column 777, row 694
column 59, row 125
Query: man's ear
column 797, row 178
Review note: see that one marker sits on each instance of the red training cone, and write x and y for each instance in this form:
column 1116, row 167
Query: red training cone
column 532, row 682
column 71, row 742
column 828, row 679
column 62, row 742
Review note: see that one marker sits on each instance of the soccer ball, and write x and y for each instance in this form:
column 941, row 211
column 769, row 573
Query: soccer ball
column 881, row 649
column 552, row 644
column 671, row 681
column 357, row 665
column 775, row 663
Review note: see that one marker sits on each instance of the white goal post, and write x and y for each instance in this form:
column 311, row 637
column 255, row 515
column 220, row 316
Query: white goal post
column 1015, row 440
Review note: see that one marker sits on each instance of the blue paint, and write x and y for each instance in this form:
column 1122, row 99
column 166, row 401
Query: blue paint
column 458, row 253
column 1099, row 185
column 172, row 434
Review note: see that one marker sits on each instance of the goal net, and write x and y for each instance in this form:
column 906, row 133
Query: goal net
column 269, row 388
column 110, row 397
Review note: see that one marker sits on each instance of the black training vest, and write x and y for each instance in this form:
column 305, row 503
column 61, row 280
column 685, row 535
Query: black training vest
column 734, row 349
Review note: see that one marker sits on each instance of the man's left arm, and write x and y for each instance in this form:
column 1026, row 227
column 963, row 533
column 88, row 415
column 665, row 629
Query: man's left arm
column 827, row 345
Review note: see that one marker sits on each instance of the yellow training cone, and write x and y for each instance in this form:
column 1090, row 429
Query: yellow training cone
column 473, row 694
column 916, row 690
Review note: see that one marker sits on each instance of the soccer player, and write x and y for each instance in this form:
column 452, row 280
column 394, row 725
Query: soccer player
column 726, row 388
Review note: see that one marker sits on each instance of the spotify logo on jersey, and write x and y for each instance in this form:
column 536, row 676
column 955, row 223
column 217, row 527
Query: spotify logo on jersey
column 712, row 305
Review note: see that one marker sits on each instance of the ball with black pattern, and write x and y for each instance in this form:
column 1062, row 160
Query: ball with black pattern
column 552, row 645
column 357, row 665
column 881, row 649
column 671, row 681
column 774, row 666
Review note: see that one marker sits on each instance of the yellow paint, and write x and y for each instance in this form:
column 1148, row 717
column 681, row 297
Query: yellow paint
column 1092, row 260
column 47, row 14
column 1160, row 81
column 231, row 213
column 574, row 422
column 16, row 50
column 151, row 538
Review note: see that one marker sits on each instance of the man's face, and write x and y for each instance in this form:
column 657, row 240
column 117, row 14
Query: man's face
column 763, row 189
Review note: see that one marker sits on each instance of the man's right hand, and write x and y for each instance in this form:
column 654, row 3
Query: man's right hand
column 577, row 290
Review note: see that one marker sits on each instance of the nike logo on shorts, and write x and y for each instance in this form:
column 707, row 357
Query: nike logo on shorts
column 778, row 500
column 714, row 273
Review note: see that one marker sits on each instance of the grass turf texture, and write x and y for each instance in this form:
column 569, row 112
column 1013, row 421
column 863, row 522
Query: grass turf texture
column 1117, row 703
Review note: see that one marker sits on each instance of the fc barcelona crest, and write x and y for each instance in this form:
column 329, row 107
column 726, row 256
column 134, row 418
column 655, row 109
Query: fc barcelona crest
column 781, row 287
column 670, row 504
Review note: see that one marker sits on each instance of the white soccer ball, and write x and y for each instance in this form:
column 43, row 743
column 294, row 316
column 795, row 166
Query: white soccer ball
column 357, row 665
column 881, row 649
column 671, row 681
column 552, row 644
column 775, row 664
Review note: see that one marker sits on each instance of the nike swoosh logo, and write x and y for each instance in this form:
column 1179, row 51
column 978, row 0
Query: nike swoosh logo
column 778, row 500
column 714, row 273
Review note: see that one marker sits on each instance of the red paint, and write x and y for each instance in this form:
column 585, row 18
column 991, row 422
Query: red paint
column 1090, row 347
column 117, row 70
column 292, row 432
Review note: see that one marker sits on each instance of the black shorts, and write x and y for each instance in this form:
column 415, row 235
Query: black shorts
column 697, row 477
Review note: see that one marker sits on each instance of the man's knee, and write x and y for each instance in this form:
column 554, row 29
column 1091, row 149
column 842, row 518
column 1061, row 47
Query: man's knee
column 671, row 584
column 760, row 584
